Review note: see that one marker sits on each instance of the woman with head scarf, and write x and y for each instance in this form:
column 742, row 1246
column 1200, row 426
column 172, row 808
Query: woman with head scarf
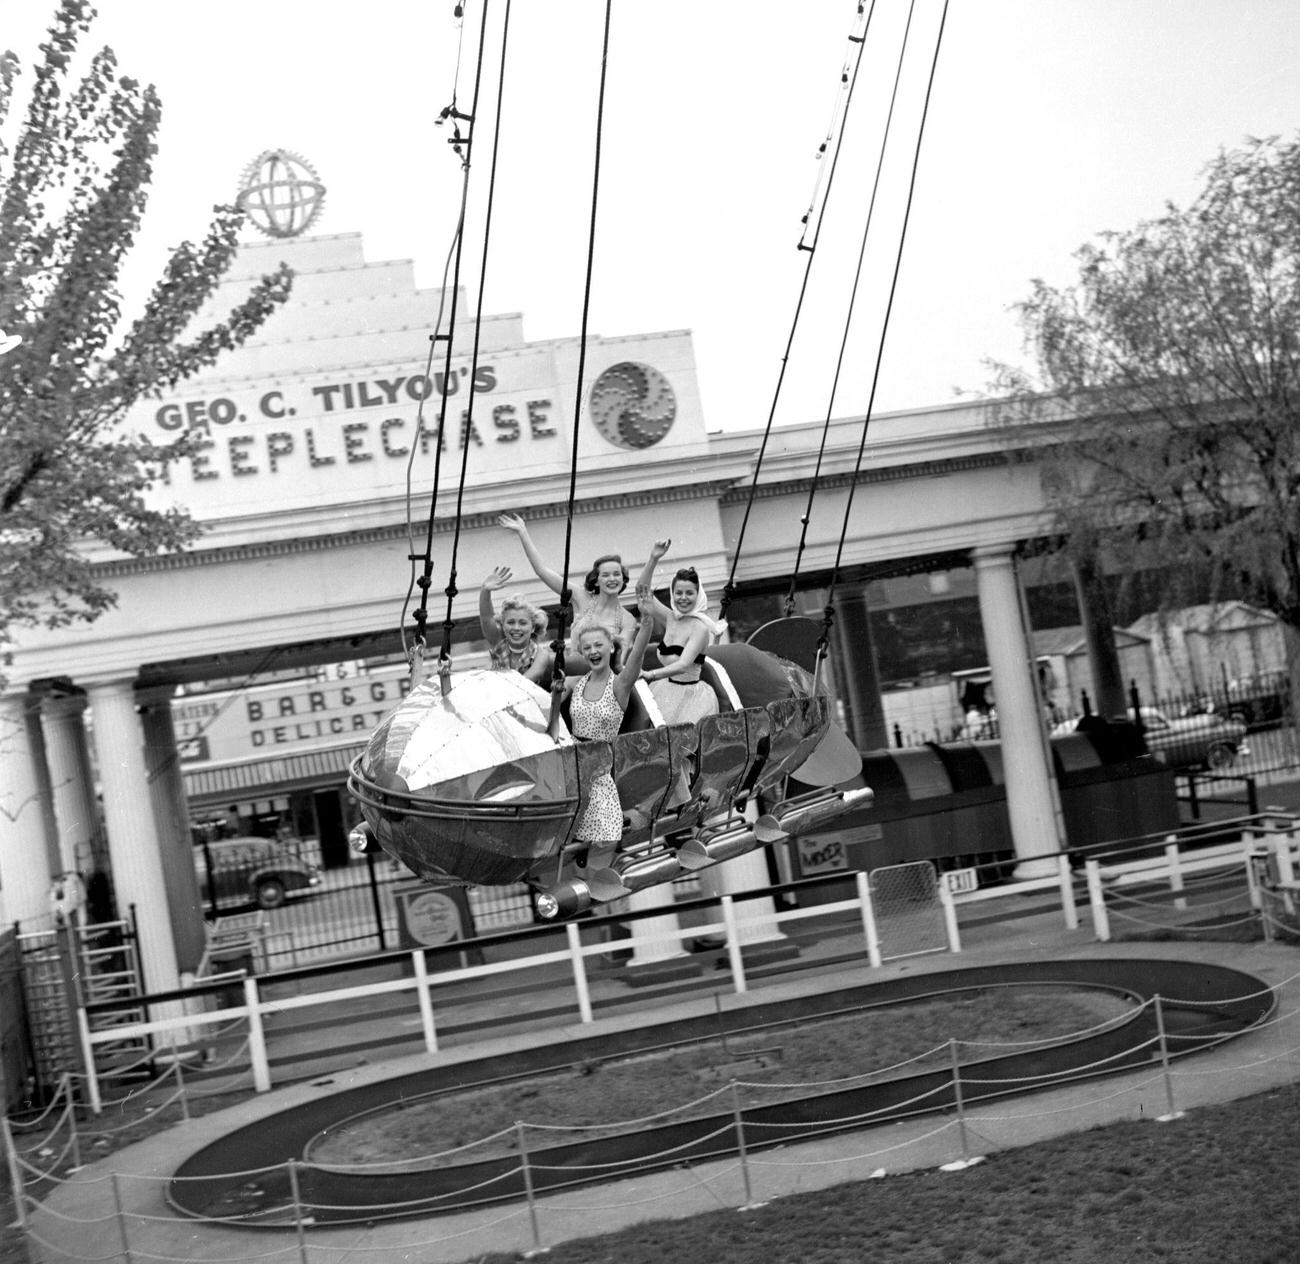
column 682, row 696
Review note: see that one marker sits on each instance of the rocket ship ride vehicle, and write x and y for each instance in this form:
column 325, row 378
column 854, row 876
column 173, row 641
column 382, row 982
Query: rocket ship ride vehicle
column 469, row 786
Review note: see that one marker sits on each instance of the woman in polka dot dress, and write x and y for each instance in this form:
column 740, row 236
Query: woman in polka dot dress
column 596, row 708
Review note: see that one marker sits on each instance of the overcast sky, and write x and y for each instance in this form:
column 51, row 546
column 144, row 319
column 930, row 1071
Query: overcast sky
column 1051, row 120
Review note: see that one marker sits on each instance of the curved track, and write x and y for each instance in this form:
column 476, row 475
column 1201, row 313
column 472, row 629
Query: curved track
column 1210, row 1004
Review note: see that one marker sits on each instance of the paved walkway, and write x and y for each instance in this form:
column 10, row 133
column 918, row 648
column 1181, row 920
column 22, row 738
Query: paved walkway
column 134, row 1178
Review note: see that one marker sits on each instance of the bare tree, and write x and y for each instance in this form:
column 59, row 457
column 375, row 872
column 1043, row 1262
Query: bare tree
column 1167, row 391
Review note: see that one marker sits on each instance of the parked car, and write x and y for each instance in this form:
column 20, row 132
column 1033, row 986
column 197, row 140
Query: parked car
column 1206, row 740
column 249, row 870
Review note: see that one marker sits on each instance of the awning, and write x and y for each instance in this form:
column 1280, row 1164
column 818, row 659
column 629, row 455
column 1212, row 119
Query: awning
column 271, row 775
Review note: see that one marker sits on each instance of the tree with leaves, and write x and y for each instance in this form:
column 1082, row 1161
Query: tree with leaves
column 73, row 189
column 1166, row 401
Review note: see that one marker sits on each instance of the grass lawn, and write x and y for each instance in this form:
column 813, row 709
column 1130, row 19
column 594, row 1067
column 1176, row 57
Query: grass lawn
column 1219, row 1186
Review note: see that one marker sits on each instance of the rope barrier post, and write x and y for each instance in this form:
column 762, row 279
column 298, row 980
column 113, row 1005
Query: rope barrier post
column 88, row 1060
column 425, row 998
column 949, row 906
column 1256, row 895
column 180, row 1085
column 579, row 972
column 120, row 1216
column 1280, row 840
column 958, row 1098
column 1068, row 905
column 15, row 1172
column 869, row 931
column 1172, row 858
column 1173, row 1112
column 733, row 945
column 1097, row 902
column 76, row 1136
column 256, row 1039
column 527, row 1172
column 749, row 1202
column 298, row 1226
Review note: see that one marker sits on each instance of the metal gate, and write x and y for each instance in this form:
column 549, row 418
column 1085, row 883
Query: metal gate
column 909, row 916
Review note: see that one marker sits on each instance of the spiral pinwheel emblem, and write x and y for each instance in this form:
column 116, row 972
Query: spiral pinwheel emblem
column 633, row 405
column 281, row 193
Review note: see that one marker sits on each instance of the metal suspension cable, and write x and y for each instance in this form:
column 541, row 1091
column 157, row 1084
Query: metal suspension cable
column 884, row 330
column 450, row 112
column 426, row 578
column 729, row 589
column 566, row 594
column 448, row 623
column 806, row 519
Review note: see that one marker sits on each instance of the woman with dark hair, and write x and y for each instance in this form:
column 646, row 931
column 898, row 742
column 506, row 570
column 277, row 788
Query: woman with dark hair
column 598, row 598
column 688, row 630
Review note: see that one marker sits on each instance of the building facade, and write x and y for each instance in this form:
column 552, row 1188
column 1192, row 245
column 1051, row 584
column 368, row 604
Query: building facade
column 318, row 451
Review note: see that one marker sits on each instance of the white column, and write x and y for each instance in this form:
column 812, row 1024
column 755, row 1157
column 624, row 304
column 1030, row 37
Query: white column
column 172, row 818
column 670, row 946
column 1031, row 803
column 71, row 783
column 25, row 874
column 132, row 834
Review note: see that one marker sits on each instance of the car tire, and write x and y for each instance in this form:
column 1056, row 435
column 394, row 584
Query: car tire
column 1220, row 756
column 269, row 893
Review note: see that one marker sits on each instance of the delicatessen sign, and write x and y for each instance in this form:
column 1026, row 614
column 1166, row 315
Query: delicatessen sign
column 285, row 718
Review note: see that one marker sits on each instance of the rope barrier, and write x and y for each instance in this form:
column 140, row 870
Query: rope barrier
column 727, row 1129
column 982, row 1116
column 642, row 1202
column 243, row 1258
column 64, row 1087
column 421, row 1202
column 381, row 1164
column 357, row 1248
column 628, row 1124
column 66, row 1116
column 764, row 1161
column 848, row 1079
column 52, row 1247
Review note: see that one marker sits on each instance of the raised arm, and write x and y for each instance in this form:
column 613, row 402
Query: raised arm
column 647, row 579
column 635, row 656
column 552, row 579
column 498, row 577
column 694, row 647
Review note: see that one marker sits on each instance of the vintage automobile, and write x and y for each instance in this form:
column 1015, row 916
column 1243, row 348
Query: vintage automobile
column 1207, row 740
column 250, row 870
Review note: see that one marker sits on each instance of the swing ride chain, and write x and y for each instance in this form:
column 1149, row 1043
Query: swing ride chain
column 729, row 589
column 566, row 594
column 425, row 580
column 449, row 623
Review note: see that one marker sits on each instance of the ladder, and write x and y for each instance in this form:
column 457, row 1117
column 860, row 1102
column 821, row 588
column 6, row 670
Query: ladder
column 63, row 969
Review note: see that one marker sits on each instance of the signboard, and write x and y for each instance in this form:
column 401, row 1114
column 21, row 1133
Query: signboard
column 430, row 916
column 823, row 853
column 960, row 881
column 287, row 717
column 340, row 434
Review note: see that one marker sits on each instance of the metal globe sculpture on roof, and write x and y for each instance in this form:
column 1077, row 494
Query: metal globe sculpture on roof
column 281, row 193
